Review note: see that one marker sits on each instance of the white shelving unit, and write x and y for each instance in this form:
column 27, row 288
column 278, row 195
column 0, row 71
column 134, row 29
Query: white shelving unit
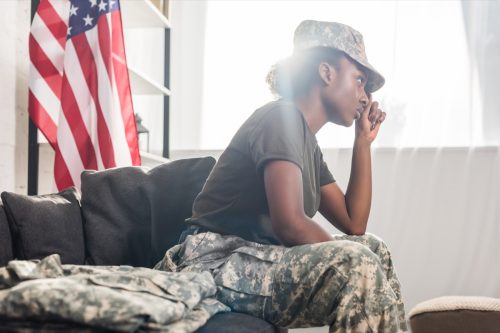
column 145, row 28
column 143, row 14
column 142, row 85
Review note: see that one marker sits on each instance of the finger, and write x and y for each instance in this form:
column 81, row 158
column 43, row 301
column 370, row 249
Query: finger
column 373, row 108
column 379, row 121
column 374, row 114
column 378, row 116
column 382, row 118
column 365, row 113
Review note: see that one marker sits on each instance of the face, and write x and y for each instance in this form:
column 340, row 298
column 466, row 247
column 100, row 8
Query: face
column 343, row 94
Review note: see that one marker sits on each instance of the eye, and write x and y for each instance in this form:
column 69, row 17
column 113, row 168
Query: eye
column 360, row 80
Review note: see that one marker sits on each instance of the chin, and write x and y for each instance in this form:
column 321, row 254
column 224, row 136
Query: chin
column 348, row 122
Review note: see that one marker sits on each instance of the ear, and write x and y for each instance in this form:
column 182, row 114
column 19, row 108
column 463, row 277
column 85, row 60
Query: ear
column 327, row 73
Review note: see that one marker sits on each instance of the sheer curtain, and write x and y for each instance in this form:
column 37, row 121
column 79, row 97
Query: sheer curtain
column 436, row 162
column 434, row 69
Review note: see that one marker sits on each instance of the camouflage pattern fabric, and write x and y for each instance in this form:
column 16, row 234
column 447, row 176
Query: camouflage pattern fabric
column 121, row 298
column 348, row 284
column 310, row 33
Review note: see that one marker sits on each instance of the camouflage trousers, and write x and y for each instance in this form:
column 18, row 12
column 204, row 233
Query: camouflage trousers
column 348, row 284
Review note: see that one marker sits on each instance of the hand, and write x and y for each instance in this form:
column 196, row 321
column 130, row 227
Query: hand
column 368, row 124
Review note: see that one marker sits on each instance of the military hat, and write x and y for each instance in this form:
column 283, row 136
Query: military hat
column 309, row 34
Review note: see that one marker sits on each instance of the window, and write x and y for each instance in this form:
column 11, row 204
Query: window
column 432, row 94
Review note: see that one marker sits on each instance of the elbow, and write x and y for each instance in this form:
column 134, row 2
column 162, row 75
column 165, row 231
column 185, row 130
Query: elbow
column 356, row 230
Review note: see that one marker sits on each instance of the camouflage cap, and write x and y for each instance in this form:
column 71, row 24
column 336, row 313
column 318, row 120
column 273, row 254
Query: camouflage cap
column 342, row 37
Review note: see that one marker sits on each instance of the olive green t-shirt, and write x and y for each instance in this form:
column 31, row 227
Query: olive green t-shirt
column 233, row 199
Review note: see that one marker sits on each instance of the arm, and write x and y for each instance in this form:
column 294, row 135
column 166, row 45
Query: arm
column 283, row 185
column 349, row 213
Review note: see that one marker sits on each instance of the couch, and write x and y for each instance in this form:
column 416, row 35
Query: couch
column 121, row 216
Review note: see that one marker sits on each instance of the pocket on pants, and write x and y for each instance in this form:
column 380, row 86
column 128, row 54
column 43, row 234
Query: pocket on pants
column 250, row 269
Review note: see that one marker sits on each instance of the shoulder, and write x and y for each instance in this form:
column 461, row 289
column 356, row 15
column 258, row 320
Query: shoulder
column 280, row 109
column 280, row 115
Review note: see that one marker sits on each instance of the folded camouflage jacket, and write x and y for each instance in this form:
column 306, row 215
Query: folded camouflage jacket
column 121, row 298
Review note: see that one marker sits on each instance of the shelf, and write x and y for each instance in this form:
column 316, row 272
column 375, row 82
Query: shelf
column 142, row 14
column 142, row 85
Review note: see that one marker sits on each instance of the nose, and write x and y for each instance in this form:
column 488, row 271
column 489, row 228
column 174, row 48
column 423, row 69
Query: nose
column 365, row 98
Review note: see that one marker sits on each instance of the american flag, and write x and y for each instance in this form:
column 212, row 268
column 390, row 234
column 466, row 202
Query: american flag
column 79, row 91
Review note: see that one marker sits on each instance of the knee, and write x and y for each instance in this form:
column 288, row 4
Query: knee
column 374, row 243
column 356, row 253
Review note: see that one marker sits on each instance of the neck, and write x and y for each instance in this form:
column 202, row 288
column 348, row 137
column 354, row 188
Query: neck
column 313, row 110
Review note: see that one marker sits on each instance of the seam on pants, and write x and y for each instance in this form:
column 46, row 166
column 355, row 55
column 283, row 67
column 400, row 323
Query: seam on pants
column 364, row 313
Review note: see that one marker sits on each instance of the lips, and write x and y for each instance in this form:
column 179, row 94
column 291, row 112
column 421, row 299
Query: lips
column 357, row 114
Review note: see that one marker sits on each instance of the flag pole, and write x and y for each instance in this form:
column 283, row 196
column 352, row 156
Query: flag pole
column 166, row 99
column 33, row 138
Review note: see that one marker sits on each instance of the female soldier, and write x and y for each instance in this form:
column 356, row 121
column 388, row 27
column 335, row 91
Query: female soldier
column 252, row 224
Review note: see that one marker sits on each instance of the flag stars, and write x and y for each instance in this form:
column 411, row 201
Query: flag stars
column 72, row 10
column 111, row 3
column 93, row 3
column 88, row 20
column 102, row 5
column 69, row 30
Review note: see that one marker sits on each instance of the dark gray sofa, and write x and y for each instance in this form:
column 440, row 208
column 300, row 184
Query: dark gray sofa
column 123, row 216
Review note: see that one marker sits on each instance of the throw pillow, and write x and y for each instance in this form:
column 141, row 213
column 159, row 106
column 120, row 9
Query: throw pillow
column 117, row 218
column 46, row 224
column 5, row 239
column 133, row 215
column 172, row 188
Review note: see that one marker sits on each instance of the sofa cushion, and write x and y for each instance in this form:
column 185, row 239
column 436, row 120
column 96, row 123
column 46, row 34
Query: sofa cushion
column 228, row 322
column 5, row 239
column 46, row 224
column 116, row 213
column 172, row 189
column 132, row 214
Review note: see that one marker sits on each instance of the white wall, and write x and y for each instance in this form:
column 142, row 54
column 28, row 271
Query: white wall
column 187, row 44
column 14, row 30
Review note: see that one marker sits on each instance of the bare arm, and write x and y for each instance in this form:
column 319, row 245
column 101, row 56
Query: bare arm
column 349, row 213
column 283, row 185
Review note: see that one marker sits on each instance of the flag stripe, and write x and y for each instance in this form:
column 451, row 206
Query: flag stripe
column 54, row 23
column 45, row 67
column 69, row 150
column 121, row 80
column 78, row 129
column 113, row 117
column 62, row 175
column 87, row 64
column 61, row 7
column 84, row 101
column 50, row 46
column 45, row 95
column 104, row 43
column 42, row 120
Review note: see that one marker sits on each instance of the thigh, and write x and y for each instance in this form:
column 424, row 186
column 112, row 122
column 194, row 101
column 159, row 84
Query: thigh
column 245, row 279
column 318, row 284
column 242, row 270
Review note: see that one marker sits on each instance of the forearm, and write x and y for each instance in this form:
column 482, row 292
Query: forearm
column 304, row 230
column 358, row 196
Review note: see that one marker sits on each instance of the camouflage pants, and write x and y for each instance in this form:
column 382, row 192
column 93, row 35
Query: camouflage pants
column 348, row 283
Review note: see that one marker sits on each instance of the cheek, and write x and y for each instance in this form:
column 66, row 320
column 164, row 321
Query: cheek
column 345, row 95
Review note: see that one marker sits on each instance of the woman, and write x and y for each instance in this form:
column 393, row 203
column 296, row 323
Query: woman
column 251, row 225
